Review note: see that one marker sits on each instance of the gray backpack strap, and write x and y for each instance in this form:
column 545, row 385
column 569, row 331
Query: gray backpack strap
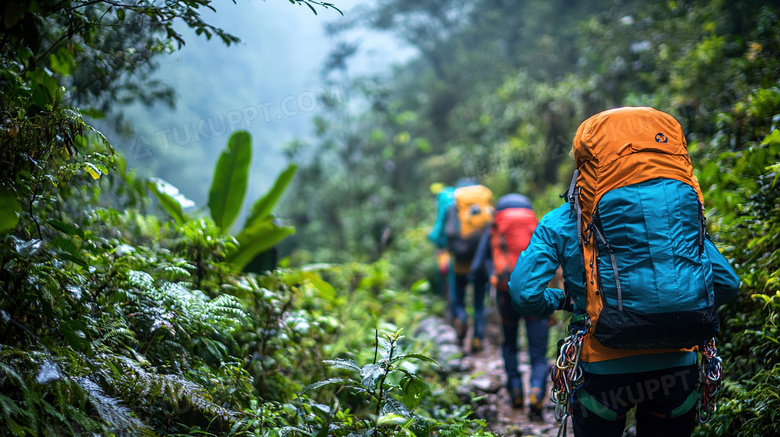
column 573, row 197
column 452, row 226
column 702, row 228
column 603, row 239
column 569, row 194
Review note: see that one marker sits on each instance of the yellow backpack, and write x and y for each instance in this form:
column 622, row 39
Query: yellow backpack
column 469, row 216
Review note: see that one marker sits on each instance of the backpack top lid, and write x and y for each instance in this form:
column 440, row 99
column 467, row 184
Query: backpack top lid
column 629, row 145
column 513, row 200
column 605, row 136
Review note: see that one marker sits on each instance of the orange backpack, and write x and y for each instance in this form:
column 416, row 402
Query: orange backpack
column 623, row 154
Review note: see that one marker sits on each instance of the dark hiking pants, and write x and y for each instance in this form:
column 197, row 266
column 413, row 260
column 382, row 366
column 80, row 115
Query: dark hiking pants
column 459, row 301
column 665, row 403
column 537, row 331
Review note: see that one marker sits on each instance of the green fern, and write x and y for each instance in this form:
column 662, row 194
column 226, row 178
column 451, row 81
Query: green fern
column 119, row 333
column 135, row 384
column 41, row 399
column 111, row 410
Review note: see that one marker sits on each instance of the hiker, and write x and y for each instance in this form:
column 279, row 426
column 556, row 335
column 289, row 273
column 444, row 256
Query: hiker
column 443, row 274
column 644, row 278
column 514, row 222
column 468, row 214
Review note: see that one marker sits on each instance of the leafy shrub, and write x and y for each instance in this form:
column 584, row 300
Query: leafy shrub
column 744, row 201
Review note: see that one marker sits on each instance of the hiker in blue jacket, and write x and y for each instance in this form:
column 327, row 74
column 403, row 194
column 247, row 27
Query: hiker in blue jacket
column 600, row 409
column 459, row 277
column 445, row 275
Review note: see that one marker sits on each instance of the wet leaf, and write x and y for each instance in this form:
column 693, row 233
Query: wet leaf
column 9, row 210
column 231, row 177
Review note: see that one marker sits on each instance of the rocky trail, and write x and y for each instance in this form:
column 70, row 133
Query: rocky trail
column 483, row 381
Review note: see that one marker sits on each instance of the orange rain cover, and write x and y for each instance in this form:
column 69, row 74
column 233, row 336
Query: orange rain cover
column 613, row 149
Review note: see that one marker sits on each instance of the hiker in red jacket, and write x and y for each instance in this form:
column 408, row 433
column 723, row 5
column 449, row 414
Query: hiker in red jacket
column 502, row 243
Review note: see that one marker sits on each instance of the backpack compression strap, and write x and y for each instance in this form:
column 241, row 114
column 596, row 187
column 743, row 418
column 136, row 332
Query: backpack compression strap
column 505, row 250
column 592, row 227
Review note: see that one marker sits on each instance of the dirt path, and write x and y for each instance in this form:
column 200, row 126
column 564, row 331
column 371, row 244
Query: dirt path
column 485, row 370
column 483, row 380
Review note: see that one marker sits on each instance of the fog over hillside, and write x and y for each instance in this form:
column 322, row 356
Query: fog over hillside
column 270, row 84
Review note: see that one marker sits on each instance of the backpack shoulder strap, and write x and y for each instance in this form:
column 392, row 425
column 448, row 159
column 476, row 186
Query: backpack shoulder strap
column 504, row 247
column 452, row 226
column 573, row 197
column 569, row 194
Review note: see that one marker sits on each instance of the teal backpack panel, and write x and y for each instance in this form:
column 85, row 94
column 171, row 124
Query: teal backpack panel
column 652, row 235
column 444, row 200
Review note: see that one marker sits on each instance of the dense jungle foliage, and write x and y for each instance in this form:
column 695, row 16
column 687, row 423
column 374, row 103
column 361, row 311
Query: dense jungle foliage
column 125, row 310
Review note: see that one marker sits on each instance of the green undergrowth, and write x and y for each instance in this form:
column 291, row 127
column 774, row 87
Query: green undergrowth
column 742, row 187
column 116, row 321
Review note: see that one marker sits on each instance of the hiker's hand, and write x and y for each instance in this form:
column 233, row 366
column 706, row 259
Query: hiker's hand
column 552, row 321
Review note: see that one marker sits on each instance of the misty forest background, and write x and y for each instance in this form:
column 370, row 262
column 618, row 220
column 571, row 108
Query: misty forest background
column 155, row 169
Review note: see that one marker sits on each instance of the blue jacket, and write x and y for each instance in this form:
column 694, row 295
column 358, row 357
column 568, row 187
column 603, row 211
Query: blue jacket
column 554, row 244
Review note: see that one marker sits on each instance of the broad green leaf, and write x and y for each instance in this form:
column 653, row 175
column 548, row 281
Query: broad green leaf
column 263, row 207
column 386, row 346
column 59, row 66
column 763, row 297
column 341, row 363
column 322, row 407
column 217, row 350
column 97, row 133
column 421, row 286
column 71, row 253
column 92, row 170
column 392, row 406
column 371, row 374
column 230, row 180
column 773, row 138
column 255, row 240
column 325, row 430
column 326, row 290
column 391, row 419
column 413, row 388
column 417, row 356
column 171, row 200
column 92, row 113
column 66, row 228
column 73, row 331
column 291, row 430
column 45, row 89
column 9, row 210
column 319, row 384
